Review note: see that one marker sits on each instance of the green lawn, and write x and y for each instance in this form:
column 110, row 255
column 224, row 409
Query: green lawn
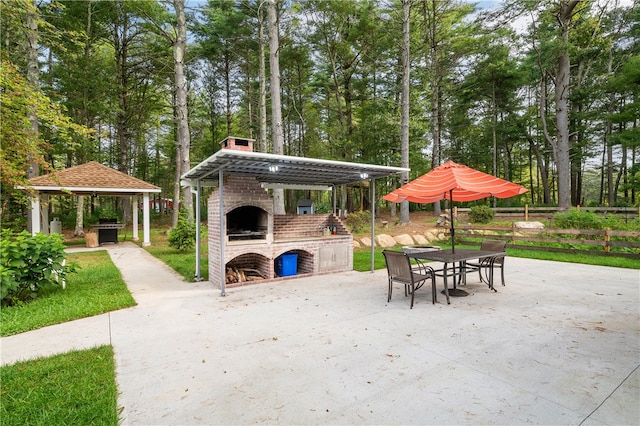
column 76, row 388
column 362, row 258
column 183, row 262
column 97, row 287
column 79, row 387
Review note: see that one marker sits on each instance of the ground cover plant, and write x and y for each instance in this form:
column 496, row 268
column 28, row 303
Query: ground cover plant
column 95, row 288
column 76, row 388
column 30, row 265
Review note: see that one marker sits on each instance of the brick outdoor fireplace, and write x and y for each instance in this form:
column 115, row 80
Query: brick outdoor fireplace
column 254, row 238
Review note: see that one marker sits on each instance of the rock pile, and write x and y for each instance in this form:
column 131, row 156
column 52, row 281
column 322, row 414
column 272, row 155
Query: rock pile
column 386, row 240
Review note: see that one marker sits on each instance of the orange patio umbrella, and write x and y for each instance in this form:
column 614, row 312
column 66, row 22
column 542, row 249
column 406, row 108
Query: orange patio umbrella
column 455, row 182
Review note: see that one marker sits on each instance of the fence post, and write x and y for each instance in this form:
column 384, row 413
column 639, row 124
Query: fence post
column 526, row 212
column 513, row 232
column 607, row 239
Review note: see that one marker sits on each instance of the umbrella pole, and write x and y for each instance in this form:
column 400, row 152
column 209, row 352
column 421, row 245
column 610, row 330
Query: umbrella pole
column 453, row 242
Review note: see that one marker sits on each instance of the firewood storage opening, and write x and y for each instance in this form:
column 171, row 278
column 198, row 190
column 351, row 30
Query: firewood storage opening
column 247, row 268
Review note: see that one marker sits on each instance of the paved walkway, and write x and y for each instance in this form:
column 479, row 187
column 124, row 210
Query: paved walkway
column 560, row 344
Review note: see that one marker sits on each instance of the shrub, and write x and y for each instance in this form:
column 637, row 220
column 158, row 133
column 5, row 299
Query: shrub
column 183, row 236
column 30, row 264
column 481, row 214
column 578, row 219
column 358, row 220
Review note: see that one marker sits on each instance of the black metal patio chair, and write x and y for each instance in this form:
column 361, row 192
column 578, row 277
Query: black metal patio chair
column 400, row 269
column 486, row 265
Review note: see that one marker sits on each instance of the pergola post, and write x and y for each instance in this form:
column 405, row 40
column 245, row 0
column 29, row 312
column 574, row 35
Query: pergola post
column 223, row 283
column 146, row 242
column 198, row 236
column 372, row 194
column 135, row 218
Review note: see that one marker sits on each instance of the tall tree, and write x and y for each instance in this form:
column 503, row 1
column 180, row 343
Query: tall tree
column 406, row 82
column 141, row 63
column 33, row 71
column 183, row 163
column 276, row 106
column 445, row 34
column 561, row 146
column 262, row 76
column 79, row 77
column 177, row 37
column 555, row 62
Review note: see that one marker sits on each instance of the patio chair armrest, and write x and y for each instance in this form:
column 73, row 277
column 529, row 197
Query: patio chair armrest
column 421, row 268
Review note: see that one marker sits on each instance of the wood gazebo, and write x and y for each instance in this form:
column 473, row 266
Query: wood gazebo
column 90, row 178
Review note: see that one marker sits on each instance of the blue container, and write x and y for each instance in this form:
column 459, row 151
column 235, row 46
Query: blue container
column 287, row 265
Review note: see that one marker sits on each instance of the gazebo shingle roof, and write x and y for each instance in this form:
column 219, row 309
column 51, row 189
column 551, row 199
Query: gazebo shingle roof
column 91, row 175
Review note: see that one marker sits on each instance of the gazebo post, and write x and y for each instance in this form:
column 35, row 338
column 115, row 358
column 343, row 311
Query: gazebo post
column 35, row 213
column 135, row 218
column 146, row 242
column 44, row 214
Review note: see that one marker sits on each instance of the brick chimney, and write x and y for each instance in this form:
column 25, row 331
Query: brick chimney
column 239, row 144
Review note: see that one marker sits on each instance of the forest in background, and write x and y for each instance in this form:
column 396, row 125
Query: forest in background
column 541, row 92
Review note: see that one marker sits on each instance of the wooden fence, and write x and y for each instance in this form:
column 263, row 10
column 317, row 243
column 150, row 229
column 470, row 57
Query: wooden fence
column 600, row 242
column 525, row 212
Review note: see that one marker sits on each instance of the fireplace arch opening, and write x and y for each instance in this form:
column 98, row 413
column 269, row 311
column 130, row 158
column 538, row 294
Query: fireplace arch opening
column 247, row 223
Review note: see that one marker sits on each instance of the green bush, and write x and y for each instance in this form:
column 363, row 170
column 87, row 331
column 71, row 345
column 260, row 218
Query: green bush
column 481, row 214
column 578, row 219
column 29, row 265
column 358, row 220
column 183, row 236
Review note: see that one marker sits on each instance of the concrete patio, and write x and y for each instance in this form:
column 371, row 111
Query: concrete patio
column 559, row 344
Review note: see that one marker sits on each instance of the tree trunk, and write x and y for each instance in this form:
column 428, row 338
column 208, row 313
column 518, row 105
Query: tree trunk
column 544, row 167
column 182, row 114
column 176, row 197
column 404, row 126
column 436, row 103
column 79, row 229
column 262, row 139
column 123, row 134
column 88, row 116
column 561, row 147
column 611, row 194
column 276, row 111
column 33, row 78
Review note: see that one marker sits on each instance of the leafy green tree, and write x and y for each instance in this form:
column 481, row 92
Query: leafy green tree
column 18, row 145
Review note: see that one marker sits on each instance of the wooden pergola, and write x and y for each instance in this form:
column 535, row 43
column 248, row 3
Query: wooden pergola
column 90, row 178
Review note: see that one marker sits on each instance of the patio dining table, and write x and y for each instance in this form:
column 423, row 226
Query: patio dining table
column 460, row 256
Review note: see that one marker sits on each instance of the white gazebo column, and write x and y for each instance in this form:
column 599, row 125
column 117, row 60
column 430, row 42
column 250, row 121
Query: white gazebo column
column 135, row 218
column 35, row 214
column 44, row 214
column 145, row 220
